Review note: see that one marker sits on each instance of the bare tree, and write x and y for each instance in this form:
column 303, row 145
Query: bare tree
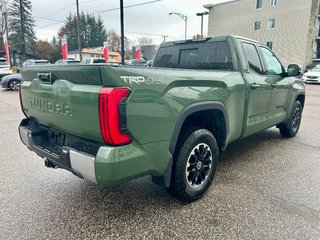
column 145, row 41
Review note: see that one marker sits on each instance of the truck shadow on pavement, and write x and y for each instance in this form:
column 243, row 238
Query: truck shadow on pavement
column 142, row 193
column 128, row 207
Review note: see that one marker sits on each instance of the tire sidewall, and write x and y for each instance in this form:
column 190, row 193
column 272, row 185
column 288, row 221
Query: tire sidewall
column 291, row 130
column 13, row 81
column 197, row 137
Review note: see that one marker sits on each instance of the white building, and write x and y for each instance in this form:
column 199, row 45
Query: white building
column 289, row 27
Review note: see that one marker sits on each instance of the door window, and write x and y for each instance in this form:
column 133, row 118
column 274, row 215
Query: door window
column 252, row 57
column 273, row 66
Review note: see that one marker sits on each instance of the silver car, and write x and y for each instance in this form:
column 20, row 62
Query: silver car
column 5, row 68
column 312, row 76
column 11, row 81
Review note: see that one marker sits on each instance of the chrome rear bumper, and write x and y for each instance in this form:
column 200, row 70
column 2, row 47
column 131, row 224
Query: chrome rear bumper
column 79, row 163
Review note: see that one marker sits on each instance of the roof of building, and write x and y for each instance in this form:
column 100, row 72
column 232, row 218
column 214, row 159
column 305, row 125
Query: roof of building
column 94, row 51
column 211, row 5
column 98, row 51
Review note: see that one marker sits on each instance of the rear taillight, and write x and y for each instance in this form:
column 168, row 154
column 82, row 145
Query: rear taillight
column 111, row 114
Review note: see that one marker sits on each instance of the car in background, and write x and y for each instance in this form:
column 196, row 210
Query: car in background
column 67, row 61
column 312, row 65
column 136, row 62
column 11, row 81
column 149, row 63
column 312, row 76
column 93, row 61
column 31, row 62
column 5, row 68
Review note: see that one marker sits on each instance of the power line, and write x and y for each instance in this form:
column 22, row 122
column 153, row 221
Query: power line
column 65, row 8
column 69, row 6
column 103, row 11
column 129, row 6
column 50, row 19
column 99, row 12
column 47, row 25
column 58, row 11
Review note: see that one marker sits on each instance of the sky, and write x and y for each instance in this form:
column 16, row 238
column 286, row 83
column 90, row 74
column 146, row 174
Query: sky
column 150, row 20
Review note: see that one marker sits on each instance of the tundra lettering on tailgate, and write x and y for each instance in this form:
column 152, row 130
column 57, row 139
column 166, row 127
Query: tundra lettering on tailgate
column 50, row 106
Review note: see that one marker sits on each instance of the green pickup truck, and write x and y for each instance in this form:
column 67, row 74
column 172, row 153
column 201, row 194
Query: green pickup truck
column 113, row 124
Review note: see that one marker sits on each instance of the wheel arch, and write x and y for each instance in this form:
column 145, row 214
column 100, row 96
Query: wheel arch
column 300, row 96
column 213, row 109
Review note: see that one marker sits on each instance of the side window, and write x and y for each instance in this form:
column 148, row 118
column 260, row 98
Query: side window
column 273, row 65
column 252, row 56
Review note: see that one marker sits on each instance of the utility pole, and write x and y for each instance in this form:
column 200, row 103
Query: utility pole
column 23, row 42
column 164, row 37
column 122, row 31
column 78, row 26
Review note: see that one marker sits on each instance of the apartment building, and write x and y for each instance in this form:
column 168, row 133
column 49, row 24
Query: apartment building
column 289, row 27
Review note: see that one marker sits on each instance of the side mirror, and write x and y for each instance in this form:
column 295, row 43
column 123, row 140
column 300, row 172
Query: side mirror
column 293, row 70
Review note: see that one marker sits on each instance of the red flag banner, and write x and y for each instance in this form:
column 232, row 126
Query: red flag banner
column 138, row 52
column 6, row 47
column 106, row 51
column 64, row 46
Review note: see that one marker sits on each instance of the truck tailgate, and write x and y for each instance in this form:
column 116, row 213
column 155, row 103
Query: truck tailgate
column 64, row 98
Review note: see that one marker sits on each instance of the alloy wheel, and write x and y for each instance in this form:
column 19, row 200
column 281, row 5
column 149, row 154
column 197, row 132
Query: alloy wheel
column 198, row 165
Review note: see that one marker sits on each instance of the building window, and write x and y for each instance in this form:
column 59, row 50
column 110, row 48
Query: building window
column 269, row 44
column 257, row 25
column 259, row 4
column 271, row 23
column 273, row 3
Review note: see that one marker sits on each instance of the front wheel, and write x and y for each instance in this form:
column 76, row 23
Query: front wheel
column 195, row 165
column 14, row 85
column 291, row 128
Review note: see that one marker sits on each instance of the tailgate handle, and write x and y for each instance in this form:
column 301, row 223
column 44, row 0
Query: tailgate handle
column 45, row 77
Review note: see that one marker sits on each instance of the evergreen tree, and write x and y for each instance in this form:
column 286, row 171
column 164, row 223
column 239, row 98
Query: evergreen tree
column 92, row 31
column 21, row 24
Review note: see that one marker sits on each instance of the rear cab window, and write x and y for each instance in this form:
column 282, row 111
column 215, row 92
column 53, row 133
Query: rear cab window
column 196, row 55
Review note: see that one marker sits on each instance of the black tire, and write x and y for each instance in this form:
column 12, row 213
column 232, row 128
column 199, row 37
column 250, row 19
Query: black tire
column 14, row 85
column 291, row 128
column 195, row 164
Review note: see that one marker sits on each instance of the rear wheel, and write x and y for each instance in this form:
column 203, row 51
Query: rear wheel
column 195, row 165
column 14, row 85
column 291, row 128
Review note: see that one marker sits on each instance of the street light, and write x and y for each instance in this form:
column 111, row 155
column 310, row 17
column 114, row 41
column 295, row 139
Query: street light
column 185, row 19
column 201, row 15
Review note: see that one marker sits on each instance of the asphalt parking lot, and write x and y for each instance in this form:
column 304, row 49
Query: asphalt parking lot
column 267, row 187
